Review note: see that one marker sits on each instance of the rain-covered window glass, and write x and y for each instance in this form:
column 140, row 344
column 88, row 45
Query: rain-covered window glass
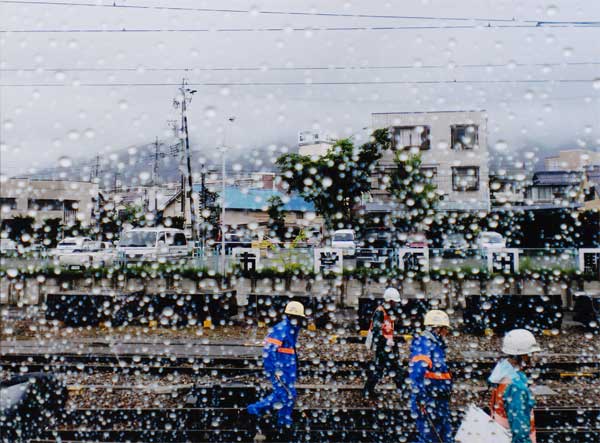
column 465, row 179
column 464, row 136
column 407, row 137
column 291, row 221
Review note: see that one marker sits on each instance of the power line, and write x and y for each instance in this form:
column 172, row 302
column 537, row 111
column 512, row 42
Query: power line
column 299, row 68
column 581, row 25
column 258, row 12
column 300, row 13
column 326, row 83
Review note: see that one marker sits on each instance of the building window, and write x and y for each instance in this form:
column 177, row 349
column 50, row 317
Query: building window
column 407, row 137
column 464, row 136
column 429, row 173
column 7, row 203
column 465, row 178
column 43, row 204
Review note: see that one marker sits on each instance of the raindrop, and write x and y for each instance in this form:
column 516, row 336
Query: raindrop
column 501, row 146
column 551, row 11
column 596, row 83
column 12, row 272
column 210, row 111
column 123, row 104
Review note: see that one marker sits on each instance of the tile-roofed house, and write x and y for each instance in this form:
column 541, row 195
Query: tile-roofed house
column 244, row 206
column 557, row 187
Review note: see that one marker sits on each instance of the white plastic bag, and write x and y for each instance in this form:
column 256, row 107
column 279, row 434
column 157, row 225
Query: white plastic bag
column 478, row 427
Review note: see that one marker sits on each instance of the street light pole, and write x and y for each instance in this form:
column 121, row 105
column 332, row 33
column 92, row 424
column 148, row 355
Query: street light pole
column 223, row 200
column 224, row 179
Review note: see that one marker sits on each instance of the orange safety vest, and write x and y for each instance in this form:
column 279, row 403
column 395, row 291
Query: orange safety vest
column 278, row 343
column 387, row 328
column 498, row 411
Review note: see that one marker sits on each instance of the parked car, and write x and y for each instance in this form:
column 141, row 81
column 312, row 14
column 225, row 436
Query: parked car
column 416, row 240
column 345, row 240
column 8, row 246
column 374, row 248
column 150, row 244
column 91, row 254
column 455, row 244
column 69, row 244
column 234, row 240
column 490, row 240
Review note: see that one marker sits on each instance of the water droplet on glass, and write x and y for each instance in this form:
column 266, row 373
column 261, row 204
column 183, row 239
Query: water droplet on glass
column 597, row 83
column 210, row 112
column 501, row 146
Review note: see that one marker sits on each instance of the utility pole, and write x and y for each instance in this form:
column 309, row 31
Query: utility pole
column 184, row 90
column 203, row 204
column 156, row 157
column 96, row 180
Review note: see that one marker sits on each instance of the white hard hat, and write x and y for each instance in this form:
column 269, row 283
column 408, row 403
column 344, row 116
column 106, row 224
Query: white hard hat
column 435, row 317
column 519, row 342
column 295, row 308
column 391, row 294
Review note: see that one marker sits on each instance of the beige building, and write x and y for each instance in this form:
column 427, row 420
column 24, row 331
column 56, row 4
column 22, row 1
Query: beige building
column 42, row 199
column 572, row 160
column 454, row 153
column 313, row 143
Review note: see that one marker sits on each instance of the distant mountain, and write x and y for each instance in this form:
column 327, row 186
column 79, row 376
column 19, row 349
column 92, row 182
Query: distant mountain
column 135, row 165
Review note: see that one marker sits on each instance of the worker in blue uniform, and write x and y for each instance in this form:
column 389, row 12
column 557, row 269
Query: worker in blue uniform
column 431, row 382
column 280, row 365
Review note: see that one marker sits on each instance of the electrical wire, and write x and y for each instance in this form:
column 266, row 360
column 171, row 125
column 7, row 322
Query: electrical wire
column 298, row 68
column 257, row 12
column 325, row 83
column 290, row 29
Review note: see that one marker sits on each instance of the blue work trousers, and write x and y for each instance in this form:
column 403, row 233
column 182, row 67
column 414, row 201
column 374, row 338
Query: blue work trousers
column 438, row 414
column 282, row 398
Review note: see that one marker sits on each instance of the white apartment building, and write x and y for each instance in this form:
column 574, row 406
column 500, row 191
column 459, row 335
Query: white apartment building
column 454, row 152
column 313, row 143
column 42, row 199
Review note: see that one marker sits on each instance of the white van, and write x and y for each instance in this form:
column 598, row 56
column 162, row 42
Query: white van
column 345, row 240
column 150, row 244
column 69, row 244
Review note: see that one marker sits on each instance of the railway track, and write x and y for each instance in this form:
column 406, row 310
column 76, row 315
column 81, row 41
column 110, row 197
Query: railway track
column 231, row 366
column 233, row 424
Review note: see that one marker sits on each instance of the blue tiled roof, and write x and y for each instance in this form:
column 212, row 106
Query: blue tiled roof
column 257, row 199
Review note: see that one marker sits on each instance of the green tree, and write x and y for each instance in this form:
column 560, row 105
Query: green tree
column 75, row 228
column 415, row 192
column 276, row 217
column 22, row 229
column 336, row 181
column 49, row 232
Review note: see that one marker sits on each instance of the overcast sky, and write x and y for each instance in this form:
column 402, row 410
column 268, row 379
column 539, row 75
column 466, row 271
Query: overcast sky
column 95, row 92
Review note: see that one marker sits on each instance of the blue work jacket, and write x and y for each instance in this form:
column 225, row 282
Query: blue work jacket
column 279, row 352
column 429, row 374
